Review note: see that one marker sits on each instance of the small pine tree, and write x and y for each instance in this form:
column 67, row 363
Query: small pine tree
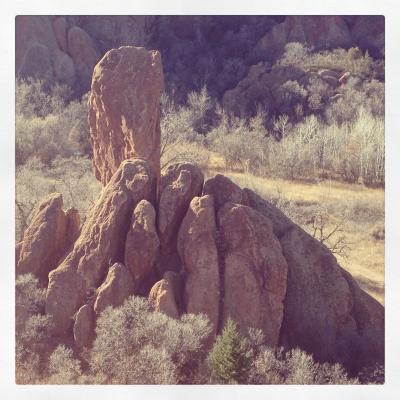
column 230, row 359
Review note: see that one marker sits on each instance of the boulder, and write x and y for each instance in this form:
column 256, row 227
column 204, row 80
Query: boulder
column 45, row 240
column 224, row 190
column 254, row 271
column 142, row 247
column 197, row 247
column 83, row 51
column 64, row 68
column 124, row 109
column 34, row 45
column 60, row 26
column 84, row 326
column 116, row 288
column 178, row 185
column 37, row 63
column 162, row 297
column 100, row 243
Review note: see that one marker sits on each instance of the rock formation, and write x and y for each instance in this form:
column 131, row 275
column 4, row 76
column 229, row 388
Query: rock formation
column 50, row 233
column 227, row 251
column 124, row 113
column 101, row 241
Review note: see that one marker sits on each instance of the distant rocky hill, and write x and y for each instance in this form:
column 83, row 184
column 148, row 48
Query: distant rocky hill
column 217, row 51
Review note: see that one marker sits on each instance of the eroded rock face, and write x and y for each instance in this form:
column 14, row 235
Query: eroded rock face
column 124, row 113
column 100, row 243
column 178, row 185
column 254, row 271
column 116, row 288
column 162, row 296
column 197, row 248
column 46, row 239
column 142, row 247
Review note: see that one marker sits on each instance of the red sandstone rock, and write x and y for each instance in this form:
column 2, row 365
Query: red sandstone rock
column 84, row 325
column 162, row 298
column 254, row 271
column 116, row 288
column 178, row 185
column 142, row 247
column 124, row 114
column 101, row 241
column 197, row 248
column 45, row 240
column 60, row 27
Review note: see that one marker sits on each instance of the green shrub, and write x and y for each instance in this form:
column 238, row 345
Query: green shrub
column 229, row 359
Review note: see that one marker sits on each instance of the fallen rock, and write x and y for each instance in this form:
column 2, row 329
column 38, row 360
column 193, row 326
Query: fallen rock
column 178, row 185
column 84, row 326
column 142, row 247
column 100, row 243
column 197, row 248
column 124, row 115
column 116, row 288
column 45, row 240
column 162, row 298
column 254, row 271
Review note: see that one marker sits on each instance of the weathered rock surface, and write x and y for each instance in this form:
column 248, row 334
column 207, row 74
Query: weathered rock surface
column 116, row 288
column 60, row 27
column 142, row 247
column 64, row 68
column 84, row 325
column 178, row 185
column 45, row 240
column 254, row 271
column 124, row 114
column 162, row 296
column 197, row 248
column 223, row 191
column 101, row 241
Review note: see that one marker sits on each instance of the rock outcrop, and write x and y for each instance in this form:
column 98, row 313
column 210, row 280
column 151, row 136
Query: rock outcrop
column 178, row 185
column 101, row 241
column 124, row 113
column 142, row 247
column 162, row 296
column 254, row 271
column 197, row 247
column 49, row 235
column 116, row 288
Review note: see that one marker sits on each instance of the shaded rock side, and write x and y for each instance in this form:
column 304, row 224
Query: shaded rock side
column 45, row 240
column 116, row 288
column 178, row 185
column 325, row 312
column 223, row 191
column 100, row 243
column 197, row 248
column 321, row 316
column 84, row 326
column 255, row 271
column 162, row 296
column 142, row 247
column 124, row 109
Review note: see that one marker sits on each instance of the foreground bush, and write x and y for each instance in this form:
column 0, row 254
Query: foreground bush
column 134, row 345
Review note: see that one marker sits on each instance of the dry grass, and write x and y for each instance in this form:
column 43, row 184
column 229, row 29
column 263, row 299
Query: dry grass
column 361, row 209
